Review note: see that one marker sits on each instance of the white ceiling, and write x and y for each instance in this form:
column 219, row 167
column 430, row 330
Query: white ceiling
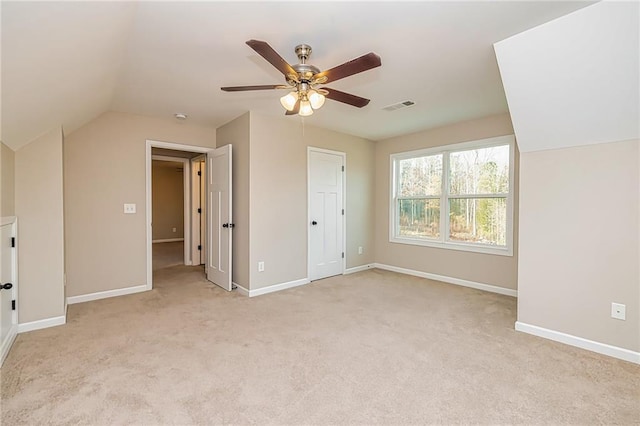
column 67, row 62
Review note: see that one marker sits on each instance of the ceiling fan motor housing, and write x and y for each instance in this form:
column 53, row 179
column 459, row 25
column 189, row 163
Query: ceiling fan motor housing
column 305, row 71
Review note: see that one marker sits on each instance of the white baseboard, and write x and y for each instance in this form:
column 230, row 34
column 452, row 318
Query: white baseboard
column 4, row 350
column 450, row 280
column 105, row 294
column 358, row 269
column 40, row 324
column 241, row 289
column 168, row 240
column 276, row 287
column 579, row 342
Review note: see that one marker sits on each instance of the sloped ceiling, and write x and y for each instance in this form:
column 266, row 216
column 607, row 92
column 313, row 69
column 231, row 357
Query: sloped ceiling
column 60, row 64
column 64, row 63
column 575, row 80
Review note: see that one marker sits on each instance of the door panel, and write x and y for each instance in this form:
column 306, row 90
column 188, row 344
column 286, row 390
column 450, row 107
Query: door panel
column 325, row 212
column 219, row 225
column 8, row 317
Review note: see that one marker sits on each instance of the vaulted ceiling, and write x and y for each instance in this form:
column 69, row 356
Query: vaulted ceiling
column 64, row 63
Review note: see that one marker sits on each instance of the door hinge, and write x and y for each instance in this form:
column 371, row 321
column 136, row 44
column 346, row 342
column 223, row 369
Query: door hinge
column 199, row 173
column 343, row 168
column 13, row 305
column 13, row 241
column 343, row 255
column 199, row 211
column 342, row 212
column 199, row 247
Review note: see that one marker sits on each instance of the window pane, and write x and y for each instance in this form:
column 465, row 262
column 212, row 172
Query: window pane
column 420, row 176
column 479, row 171
column 478, row 220
column 419, row 218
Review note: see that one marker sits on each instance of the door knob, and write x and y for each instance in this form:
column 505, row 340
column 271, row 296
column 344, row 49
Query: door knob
column 314, row 223
column 6, row 286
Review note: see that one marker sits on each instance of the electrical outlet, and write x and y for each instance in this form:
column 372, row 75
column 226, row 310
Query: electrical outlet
column 129, row 208
column 174, row 229
column 618, row 311
column 260, row 266
column 360, row 250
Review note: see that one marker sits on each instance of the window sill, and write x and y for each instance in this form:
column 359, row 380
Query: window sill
column 499, row 251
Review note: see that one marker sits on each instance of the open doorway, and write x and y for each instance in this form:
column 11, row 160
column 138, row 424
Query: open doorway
column 206, row 174
column 174, row 206
column 170, row 205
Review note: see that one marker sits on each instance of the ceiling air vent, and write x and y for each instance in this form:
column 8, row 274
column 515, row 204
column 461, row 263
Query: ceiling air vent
column 399, row 105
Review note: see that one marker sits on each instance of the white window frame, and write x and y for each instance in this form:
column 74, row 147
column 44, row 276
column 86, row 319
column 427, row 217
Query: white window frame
column 443, row 240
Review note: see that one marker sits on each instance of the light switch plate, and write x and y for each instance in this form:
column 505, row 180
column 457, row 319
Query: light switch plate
column 129, row 208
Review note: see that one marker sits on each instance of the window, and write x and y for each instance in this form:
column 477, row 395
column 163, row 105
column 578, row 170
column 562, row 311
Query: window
column 458, row 196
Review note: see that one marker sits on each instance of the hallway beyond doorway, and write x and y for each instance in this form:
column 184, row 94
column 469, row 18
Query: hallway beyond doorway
column 168, row 254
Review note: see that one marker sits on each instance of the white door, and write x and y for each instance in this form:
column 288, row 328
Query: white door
column 219, row 224
column 326, row 243
column 8, row 318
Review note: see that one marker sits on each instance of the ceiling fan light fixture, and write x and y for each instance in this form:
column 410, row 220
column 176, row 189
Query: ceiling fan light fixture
column 305, row 109
column 289, row 101
column 316, row 99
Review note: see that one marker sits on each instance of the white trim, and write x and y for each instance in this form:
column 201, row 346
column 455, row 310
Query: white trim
column 343, row 155
column 358, row 268
column 167, row 145
column 579, row 342
column 7, row 220
column 450, row 280
column 4, row 351
column 277, row 287
column 106, row 294
column 169, row 158
column 241, row 289
column 40, row 324
column 443, row 241
column 168, row 240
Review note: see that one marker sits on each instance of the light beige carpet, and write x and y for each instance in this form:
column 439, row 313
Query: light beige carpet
column 373, row 347
column 167, row 254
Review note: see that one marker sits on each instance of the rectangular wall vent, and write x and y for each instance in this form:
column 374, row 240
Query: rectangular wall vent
column 399, row 105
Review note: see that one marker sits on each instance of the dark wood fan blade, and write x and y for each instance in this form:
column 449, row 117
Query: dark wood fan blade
column 245, row 88
column 355, row 66
column 263, row 49
column 295, row 110
column 346, row 98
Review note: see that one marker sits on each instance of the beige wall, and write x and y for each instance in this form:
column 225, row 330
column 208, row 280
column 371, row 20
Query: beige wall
column 39, row 207
column 167, row 200
column 105, row 168
column 278, row 186
column 495, row 270
column 579, row 241
column 236, row 133
column 7, row 181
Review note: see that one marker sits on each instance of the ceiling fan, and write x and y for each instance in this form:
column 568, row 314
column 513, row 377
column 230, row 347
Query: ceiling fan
column 303, row 78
